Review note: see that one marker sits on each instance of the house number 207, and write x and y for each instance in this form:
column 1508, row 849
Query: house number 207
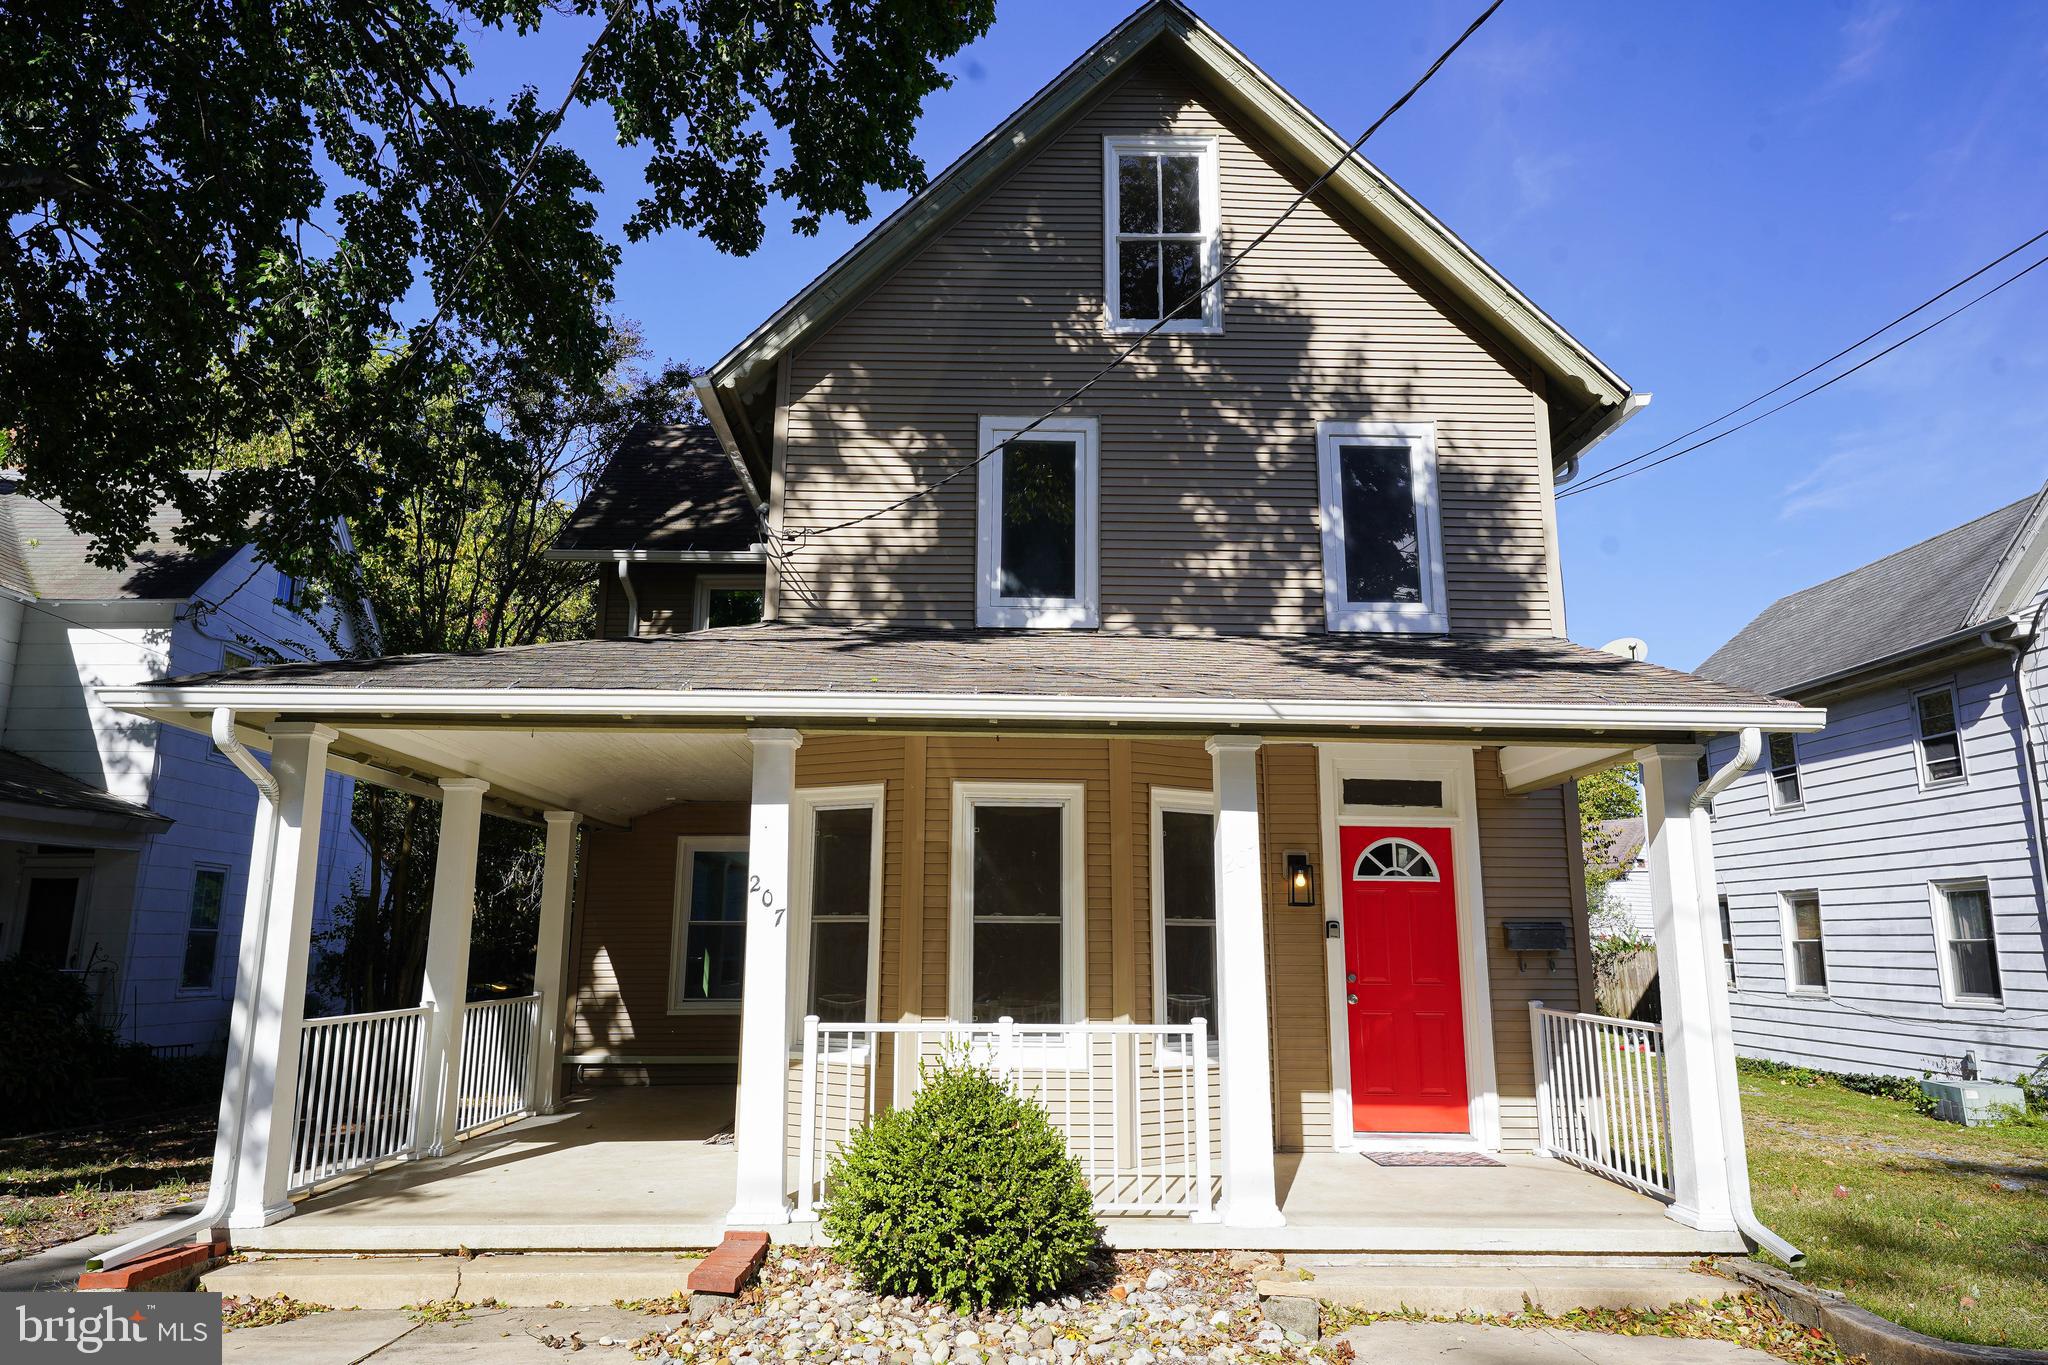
column 767, row 896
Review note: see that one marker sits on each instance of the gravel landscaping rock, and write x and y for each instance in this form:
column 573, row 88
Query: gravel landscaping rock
column 1140, row 1308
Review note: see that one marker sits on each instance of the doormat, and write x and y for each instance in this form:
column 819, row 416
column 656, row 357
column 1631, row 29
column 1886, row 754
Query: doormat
column 1430, row 1159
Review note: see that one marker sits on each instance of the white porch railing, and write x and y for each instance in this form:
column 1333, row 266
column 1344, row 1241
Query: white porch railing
column 498, row 1039
column 1600, row 1095
column 358, row 1089
column 1142, row 1122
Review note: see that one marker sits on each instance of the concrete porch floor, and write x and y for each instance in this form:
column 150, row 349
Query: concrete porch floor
column 652, row 1168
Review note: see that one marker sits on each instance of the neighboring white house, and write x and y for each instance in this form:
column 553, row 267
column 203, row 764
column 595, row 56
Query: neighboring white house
column 1881, row 880
column 124, row 846
column 1628, row 894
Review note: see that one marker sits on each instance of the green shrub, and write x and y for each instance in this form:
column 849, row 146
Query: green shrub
column 1902, row 1089
column 968, row 1197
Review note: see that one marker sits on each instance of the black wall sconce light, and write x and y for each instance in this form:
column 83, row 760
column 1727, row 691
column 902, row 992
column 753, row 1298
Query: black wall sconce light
column 1301, row 880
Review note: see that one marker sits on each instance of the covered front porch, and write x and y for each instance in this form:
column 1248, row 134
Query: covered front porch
column 653, row 1168
column 1192, row 941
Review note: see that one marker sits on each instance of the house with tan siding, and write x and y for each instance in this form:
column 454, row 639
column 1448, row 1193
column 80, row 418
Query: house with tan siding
column 1186, row 736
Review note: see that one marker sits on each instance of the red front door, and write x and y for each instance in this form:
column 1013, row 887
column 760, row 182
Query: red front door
column 1401, row 981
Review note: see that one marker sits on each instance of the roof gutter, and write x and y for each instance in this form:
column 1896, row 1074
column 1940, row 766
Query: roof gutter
column 1749, row 747
column 1870, row 672
column 1610, row 422
column 753, row 555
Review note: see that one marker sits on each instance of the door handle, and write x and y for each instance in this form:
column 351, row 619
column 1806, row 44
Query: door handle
column 1351, row 999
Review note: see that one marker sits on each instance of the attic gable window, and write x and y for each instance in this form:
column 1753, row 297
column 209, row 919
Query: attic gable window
column 1383, row 567
column 1035, row 542
column 1161, row 211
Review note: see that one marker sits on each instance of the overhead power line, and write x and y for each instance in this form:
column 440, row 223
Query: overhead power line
column 795, row 537
column 1634, row 465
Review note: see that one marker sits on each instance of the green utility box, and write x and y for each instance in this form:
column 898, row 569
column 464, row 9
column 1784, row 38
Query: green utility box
column 1974, row 1103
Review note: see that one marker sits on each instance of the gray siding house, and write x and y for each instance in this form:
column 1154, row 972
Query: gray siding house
column 1881, row 881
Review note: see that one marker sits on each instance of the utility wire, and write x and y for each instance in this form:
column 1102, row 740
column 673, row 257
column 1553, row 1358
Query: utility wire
column 798, row 535
column 1608, row 478
column 1921, row 306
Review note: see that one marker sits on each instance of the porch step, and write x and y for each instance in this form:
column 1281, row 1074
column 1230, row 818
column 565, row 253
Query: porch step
column 525, row 1281
column 1554, row 1285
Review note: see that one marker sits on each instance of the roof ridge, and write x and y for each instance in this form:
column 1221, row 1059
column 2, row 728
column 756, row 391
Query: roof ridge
column 1905, row 549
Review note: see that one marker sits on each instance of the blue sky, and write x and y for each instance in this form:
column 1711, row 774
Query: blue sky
column 1710, row 195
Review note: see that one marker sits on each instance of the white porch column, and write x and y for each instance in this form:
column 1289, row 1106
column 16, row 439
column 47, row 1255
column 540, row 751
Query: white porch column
column 551, row 959
column 761, row 1108
column 1243, row 1026
column 1687, row 971
column 445, row 986
column 298, row 763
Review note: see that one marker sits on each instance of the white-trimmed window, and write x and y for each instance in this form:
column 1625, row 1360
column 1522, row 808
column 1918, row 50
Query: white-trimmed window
column 1035, row 542
column 1806, row 959
column 202, row 928
column 1728, row 945
column 708, row 941
column 1184, row 910
column 1939, row 738
column 1968, row 943
column 1017, row 919
column 1383, row 565
column 1161, row 216
column 1786, row 791
column 726, row 600
column 836, row 943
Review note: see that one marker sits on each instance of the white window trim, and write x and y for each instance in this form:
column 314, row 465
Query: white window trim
column 1937, row 905
column 1209, row 322
column 1188, row 802
column 1731, row 961
column 1955, row 710
column 1082, row 610
column 700, row 598
column 1435, row 874
column 212, row 986
column 1070, row 797
column 1771, row 777
column 1429, row 616
column 1786, row 926
column 808, row 802
column 687, row 847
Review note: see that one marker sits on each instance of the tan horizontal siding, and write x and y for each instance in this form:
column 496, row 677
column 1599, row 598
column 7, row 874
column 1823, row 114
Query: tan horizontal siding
column 1208, row 460
column 1297, row 989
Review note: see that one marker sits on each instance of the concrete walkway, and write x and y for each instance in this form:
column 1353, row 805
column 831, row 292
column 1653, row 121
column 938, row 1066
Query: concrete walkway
column 58, row 1267
column 1414, row 1343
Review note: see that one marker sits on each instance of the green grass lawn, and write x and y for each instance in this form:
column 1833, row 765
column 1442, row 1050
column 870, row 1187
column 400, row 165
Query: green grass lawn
column 1936, row 1226
column 68, row 1185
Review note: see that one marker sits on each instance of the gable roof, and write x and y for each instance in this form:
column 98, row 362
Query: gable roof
column 1587, row 398
column 669, row 493
column 41, row 557
column 1911, row 598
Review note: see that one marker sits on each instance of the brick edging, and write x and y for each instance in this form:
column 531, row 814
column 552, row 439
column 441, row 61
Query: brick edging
column 731, row 1264
column 1858, row 1331
column 171, row 1268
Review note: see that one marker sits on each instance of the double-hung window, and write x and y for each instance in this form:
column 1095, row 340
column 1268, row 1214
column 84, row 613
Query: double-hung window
column 1806, row 960
column 838, row 894
column 1162, row 208
column 708, row 943
column 202, row 928
column 1383, row 566
column 1969, row 946
column 1786, row 793
column 1184, row 910
column 1940, row 741
column 1035, row 544
column 1017, row 940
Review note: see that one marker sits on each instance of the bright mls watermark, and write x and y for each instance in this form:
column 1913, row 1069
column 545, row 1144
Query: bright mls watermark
column 164, row 1329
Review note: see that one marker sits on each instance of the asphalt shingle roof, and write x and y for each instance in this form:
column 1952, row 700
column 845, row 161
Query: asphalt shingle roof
column 23, row 781
column 42, row 557
column 1912, row 597
column 1101, row 665
column 666, row 489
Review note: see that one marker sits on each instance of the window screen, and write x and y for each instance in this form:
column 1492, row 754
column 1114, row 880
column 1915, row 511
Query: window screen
column 1382, row 549
column 1019, row 933
column 1038, row 519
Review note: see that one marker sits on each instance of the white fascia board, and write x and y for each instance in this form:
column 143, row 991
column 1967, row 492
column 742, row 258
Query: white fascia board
column 753, row 707
column 747, row 556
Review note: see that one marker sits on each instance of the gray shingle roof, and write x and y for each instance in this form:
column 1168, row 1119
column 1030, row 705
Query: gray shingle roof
column 23, row 781
column 1913, row 597
column 666, row 489
column 42, row 557
column 1098, row 665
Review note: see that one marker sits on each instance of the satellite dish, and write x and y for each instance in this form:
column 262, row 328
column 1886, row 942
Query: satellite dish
column 1627, row 647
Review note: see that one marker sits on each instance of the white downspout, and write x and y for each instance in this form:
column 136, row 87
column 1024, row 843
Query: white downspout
column 632, row 598
column 234, row 1096
column 1748, row 747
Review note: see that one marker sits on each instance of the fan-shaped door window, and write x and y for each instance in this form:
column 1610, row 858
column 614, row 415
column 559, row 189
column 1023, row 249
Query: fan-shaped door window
column 1394, row 860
